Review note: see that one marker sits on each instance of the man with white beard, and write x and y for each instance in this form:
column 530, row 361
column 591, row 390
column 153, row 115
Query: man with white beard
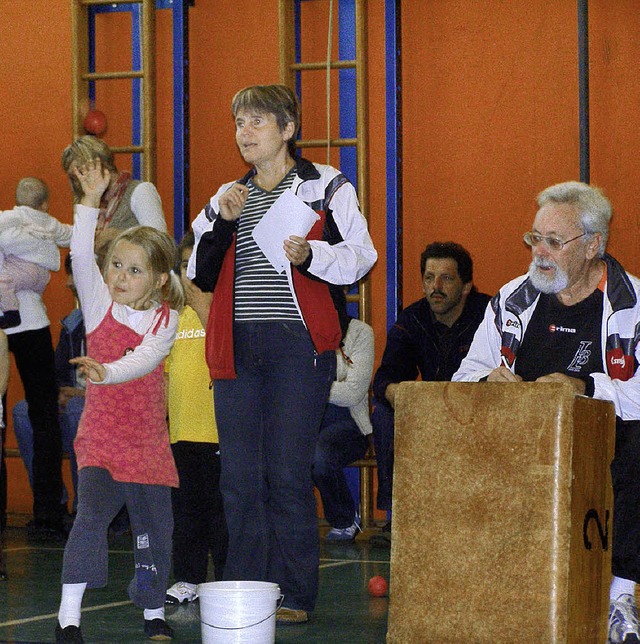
column 575, row 318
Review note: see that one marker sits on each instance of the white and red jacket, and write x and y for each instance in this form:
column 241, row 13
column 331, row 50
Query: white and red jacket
column 341, row 253
column 509, row 312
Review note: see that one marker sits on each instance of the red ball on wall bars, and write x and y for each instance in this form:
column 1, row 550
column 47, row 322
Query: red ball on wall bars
column 95, row 122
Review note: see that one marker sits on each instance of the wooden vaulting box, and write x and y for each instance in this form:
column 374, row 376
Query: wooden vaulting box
column 502, row 511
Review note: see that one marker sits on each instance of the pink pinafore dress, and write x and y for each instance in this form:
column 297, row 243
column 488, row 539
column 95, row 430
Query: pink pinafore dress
column 123, row 428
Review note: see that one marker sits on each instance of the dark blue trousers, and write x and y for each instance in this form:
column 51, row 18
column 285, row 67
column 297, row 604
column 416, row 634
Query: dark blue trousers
column 268, row 420
column 69, row 421
column 340, row 442
column 86, row 555
column 382, row 420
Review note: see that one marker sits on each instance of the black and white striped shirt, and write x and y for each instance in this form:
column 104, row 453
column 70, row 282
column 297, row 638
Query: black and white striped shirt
column 261, row 293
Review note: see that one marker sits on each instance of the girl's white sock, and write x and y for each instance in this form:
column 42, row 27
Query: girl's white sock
column 70, row 604
column 154, row 613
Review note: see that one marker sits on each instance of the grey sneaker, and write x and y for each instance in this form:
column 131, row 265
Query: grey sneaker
column 181, row 592
column 623, row 621
column 337, row 535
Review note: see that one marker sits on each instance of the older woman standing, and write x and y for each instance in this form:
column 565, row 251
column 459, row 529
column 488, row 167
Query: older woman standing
column 126, row 202
column 271, row 341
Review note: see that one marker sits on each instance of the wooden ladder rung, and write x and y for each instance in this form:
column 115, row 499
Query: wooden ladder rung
column 364, row 462
column 82, row 77
column 92, row 76
column 103, row 2
column 322, row 143
column 334, row 64
column 127, row 149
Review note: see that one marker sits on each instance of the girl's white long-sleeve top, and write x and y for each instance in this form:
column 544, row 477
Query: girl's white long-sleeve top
column 95, row 301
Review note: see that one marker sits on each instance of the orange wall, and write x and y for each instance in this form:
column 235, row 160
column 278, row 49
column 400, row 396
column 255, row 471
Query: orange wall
column 490, row 117
column 36, row 123
column 615, row 97
column 490, row 102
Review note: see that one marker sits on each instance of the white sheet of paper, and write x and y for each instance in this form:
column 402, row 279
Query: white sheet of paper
column 287, row 216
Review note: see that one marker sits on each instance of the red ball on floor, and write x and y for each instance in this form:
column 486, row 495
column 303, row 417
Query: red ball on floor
column 378, row 586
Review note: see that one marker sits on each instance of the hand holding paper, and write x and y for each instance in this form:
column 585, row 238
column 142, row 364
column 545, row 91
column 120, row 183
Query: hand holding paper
column 288, row 217
column 296, row 249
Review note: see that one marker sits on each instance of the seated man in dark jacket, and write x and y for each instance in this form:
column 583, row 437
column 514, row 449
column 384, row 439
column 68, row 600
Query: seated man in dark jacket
column 430, row 338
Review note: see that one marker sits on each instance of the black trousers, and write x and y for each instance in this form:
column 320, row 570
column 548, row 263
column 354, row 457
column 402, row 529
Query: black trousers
column 198, row 513
column 625, row 476
column 33, row 352
column 3, row 468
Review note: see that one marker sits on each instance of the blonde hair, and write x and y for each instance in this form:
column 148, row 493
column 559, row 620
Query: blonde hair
column 162, row 255
column 86, row 148
column 32, row 192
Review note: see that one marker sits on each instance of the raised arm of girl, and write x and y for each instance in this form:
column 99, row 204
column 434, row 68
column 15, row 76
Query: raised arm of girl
column 132, row 286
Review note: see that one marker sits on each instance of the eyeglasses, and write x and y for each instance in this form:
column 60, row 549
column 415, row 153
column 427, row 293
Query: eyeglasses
column 534, row 239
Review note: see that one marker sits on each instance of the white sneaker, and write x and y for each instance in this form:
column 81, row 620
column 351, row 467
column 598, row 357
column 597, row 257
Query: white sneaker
column 181, row 592
column 623, row 620
column 336, row 535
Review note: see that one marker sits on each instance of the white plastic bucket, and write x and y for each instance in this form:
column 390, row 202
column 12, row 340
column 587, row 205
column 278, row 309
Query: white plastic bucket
column 238, row 611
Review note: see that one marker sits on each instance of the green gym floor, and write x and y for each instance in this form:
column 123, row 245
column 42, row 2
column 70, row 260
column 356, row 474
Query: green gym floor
column 29, row 597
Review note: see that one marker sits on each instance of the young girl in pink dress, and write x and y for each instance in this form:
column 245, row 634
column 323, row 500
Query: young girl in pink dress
column 122, row 445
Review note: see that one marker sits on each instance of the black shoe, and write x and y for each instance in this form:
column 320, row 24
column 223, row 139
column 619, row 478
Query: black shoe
column 68, row 634
column 382, row 539
column 157, row 629
column 10, row 319
column 53, row 532
column 67, row 522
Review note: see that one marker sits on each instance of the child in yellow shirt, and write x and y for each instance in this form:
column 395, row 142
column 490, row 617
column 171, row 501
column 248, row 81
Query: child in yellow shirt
column 199, row 524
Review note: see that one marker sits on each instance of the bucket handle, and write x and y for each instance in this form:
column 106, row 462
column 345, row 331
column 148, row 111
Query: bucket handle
column 239, row 628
